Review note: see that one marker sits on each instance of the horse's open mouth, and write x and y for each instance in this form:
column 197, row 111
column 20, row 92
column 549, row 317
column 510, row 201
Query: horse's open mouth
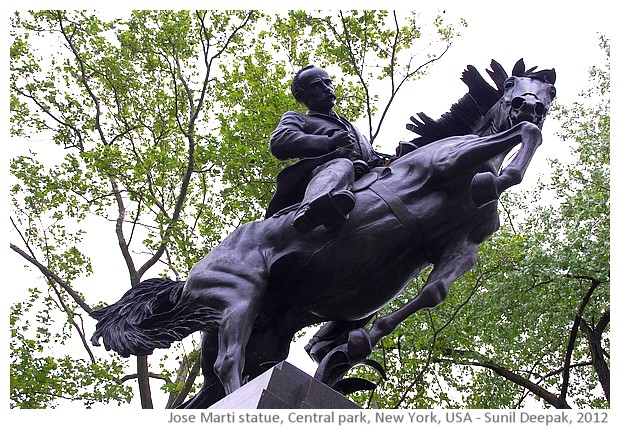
column 524, row 117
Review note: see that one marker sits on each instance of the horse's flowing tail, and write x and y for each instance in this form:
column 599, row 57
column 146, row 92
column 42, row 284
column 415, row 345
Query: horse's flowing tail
column 151, row 315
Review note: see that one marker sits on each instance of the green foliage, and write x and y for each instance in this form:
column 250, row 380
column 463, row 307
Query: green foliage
column 127, row 100
column 40, row 376
column 248, row 168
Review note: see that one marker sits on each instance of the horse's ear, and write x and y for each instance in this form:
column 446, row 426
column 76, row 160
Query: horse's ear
column 519, row 68
column 550, row 76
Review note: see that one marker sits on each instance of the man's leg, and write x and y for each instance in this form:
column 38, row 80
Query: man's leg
column 328, row 199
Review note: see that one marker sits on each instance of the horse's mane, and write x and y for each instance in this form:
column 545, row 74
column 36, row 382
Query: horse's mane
column 465, row 115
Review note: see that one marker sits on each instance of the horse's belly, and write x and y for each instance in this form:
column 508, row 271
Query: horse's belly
column 358, row 271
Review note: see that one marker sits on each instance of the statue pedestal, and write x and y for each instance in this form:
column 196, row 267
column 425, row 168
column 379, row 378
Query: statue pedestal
column 284, row 387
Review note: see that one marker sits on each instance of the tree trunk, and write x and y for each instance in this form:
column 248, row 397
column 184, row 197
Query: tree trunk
column 144, row 386
column 596, row 351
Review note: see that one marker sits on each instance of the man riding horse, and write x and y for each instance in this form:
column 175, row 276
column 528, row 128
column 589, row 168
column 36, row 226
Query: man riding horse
column 265, row 281
column 333, row 154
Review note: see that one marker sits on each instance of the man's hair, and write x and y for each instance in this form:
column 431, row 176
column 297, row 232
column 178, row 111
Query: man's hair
column 296, row 88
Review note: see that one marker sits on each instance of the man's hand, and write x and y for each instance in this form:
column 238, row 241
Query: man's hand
column 341, row 138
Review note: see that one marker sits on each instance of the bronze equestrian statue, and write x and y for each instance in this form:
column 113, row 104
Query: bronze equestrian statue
column 432, row 206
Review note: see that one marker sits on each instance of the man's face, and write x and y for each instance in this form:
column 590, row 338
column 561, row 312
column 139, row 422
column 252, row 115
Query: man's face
column 318, row 90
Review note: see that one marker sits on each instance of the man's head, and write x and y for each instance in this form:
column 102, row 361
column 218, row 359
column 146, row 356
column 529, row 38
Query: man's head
column 313, row 88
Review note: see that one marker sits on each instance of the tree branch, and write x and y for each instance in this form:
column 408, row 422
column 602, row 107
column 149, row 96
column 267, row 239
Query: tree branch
column 71, row 316
column 598, row 355
column 191, row 149
column 142, row 362
column 427, row 362
column 537, row 390
column 373, row 136
column 48, row 273
column 573, row 333
column 120, row 235
column 187, row 385
column 151, row 375
column 84, row 78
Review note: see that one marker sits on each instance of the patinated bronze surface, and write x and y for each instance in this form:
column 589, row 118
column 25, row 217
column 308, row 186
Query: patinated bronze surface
column 433, row 205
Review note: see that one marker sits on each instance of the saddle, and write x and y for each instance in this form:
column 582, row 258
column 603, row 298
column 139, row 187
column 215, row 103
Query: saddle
column 369, row 178
column 361, row 184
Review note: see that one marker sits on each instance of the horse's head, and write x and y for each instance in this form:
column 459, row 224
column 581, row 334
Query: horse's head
column 527, row 96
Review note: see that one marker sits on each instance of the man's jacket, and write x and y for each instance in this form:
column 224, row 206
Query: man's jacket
column 307, row 137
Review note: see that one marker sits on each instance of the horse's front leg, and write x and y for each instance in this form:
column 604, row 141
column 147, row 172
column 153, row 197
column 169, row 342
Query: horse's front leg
column 331, row 335
column 487, row 187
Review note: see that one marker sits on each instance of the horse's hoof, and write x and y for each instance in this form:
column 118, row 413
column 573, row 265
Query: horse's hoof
column 317, row 349
column 484, row 189
column 359, row 345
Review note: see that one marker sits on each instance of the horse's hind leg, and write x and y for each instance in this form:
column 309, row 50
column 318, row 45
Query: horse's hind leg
column 212, row 389
column 331, row 335
column 223, row 353
column 234, row 332
column 222, row 284
column 231, row 281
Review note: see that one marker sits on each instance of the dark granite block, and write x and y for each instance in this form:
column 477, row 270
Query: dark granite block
column 285, row 386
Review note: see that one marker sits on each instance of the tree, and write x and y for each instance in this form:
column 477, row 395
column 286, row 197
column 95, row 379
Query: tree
column 531, row 321
column 155, row 128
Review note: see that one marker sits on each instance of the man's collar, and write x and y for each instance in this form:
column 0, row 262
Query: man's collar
column 331, row 114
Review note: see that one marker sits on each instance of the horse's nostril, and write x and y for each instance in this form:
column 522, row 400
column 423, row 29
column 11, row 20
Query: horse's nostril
column 526, row 105
column 539, row 108
column 517, row 102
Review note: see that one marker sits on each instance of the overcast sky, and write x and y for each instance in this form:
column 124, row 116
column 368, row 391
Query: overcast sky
column 542, row 33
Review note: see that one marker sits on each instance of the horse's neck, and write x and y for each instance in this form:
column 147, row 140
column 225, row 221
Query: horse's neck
column 494, row 122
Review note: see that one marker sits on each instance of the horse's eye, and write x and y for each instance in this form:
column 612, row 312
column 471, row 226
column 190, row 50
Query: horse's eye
column 510, row 82
column 552, row 92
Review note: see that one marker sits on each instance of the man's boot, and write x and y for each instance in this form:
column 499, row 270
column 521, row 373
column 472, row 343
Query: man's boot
column 329, row 210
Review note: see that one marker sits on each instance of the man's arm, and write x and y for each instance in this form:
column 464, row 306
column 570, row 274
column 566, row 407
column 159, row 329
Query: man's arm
column 290, row 140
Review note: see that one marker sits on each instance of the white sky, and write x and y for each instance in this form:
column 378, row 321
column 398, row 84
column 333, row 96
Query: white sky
column 549, row 34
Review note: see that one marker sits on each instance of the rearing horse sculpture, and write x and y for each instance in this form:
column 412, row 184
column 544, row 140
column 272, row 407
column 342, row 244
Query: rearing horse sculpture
column 432, row 206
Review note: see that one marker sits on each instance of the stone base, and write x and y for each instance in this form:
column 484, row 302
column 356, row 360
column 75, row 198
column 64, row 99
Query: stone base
column 284, row 387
